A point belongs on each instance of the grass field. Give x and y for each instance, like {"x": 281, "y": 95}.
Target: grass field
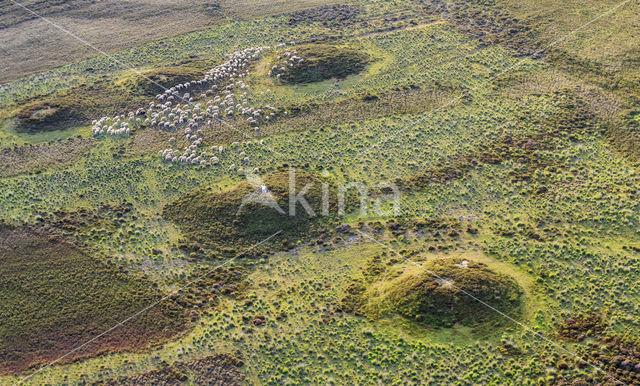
{"x": 517, "y": 173}
{"x": 108, "y": 26}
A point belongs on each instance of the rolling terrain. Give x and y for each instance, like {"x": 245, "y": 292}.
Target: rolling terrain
{"x": 470, "y": 174}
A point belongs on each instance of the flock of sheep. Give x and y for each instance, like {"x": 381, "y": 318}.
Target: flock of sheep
{"x": 192, "y": 107}
{"x": 290, "y": 61}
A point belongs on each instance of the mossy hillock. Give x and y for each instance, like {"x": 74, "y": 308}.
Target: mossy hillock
{"x": 318, "y": 62}
{"x": 223, "y": 223}
{"x": 440, "y": 293}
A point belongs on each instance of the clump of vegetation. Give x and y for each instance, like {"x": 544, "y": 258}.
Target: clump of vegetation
{"x": 579, "y": 327}
{"x": 317, "y": 62}
{"x": 232, "y": 220}
{"x": 56, "y": 297}
{"x": 441, "y": 293}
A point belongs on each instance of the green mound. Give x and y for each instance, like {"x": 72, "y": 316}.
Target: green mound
{"x": 314, "y": 63}
{"x": 223, "y": 222}
{"x": 444, "y": 292}
{"x": 158, "y": 80}
{"x": 82, "y": 103}
{"x": 56, "y": 297}
{"x": 48, "y": 115}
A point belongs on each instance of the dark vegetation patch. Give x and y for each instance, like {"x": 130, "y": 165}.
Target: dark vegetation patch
{"x": 618, "y": 357}
{"x": 31, "y": 158}
{"x": 328, "y": 15}
{"x": 582, "y": 326}
{"x": 484, "y": 20}
{"x": 207, "y": 285}
{"x": 439, "y": 293}
{"x": 572, "y": 119}
{"x": 218, "y": 369}
{"x": 334, "y": 23}
{"x": 439, "y": 233}
{"x": 217, "y": 223}
{"x": 56, "y": 297}
{"x": 436, "y": 227}
{"x": 85, "y": 224}
{"x": 318, "y": 62}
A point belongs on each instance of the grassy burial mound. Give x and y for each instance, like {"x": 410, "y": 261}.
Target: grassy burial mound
{"x": 440, "y": 293}
{"x": 317, "y": 62}
{"x": 56, "y": 297}
{"x": 222, "y": 221}
{"x": 82, "y": 103}
{"x": 156, "y": 81}
{"x": 73, "y": 107}
{"x": 47, "y": 115}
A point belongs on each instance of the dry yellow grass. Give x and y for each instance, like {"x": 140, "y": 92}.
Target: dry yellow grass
{"x": 31, "y": 44}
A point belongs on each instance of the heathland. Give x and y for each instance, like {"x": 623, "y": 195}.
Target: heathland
{"x": 509, "y": 129}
